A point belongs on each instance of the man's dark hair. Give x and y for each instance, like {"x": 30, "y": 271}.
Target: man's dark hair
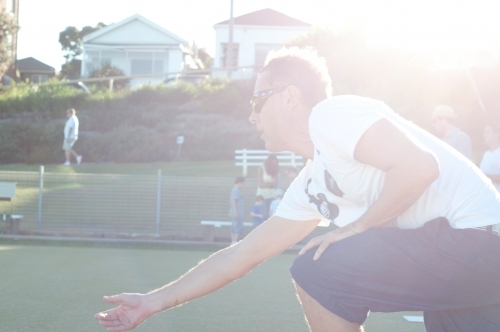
{"x": 303, "y": 68}
{"x": 239, "y": 179}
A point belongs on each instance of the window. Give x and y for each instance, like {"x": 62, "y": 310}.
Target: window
{"x": 261, "y": 51}
{"x": 223, "y": 60}
{"x": 39, "y": 78}
{"x": 95, "y": 59}
{"x": 148, "y": 62}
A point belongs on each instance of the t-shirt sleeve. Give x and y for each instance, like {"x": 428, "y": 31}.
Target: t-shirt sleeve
{"x": 295, "y": 203}
{"x": 234, "y": 195}
{"x": 339, "y": 126}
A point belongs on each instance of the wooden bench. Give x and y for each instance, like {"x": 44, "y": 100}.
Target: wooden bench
{"x": 210, "y": 225}
{"x": 7, "y": 193}
{"x": 247, "y": 158}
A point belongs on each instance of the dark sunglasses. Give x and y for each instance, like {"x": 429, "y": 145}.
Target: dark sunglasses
{"x": 259, "y": 98}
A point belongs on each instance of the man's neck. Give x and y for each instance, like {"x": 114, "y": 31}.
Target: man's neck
{"x": 449, "y": 130}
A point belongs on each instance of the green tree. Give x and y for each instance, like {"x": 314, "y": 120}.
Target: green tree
{"x": 8, "y": 26}
{"x": 71, "y": 43}
{"x": 107, "y": 70}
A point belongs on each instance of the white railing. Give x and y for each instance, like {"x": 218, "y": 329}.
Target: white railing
{"x": 246, "y": 158}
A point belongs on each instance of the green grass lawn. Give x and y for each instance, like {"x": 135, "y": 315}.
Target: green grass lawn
{"x": 59, "y": 288}
{"x": 187, "y": 168}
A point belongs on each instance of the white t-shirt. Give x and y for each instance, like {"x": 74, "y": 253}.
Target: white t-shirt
{"x": 333, "y": 187}
{"x": 72, "y": 122}
{"x": 490, "y": 164}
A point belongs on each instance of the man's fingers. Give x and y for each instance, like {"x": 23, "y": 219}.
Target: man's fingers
{"x": 311, "y": 244}
{"x": 321, "y": 249}
{"x": 110, "y": 323}
{"x": 113, "y": 298}
{"x": 106, "y": 315}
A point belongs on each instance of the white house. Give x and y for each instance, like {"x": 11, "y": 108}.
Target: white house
{"x": 135, "y": 45}
{"x": 254, "y": 35}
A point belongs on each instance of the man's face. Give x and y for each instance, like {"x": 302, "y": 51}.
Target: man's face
{"x": 68, "y": 114}
{"x": 439, "y": 125}
{"x": 490, "y": 136}
{"x": 270, "y": 121}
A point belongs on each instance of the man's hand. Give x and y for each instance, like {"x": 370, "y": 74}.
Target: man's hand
{"x": 132, "y": 311}
{"x": 323, "y": 241}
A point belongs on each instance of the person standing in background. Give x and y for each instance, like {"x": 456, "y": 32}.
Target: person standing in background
{"x": 443, "y": 121}
{"x": 236, "y": 209}
{"x": 268, "y": 182}
{"x": 70, "y": 137}
{"x": 490, "y": 164}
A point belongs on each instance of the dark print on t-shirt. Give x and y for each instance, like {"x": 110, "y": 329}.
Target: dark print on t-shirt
{"x": 327, "y": 209}
{"x": 332, "y": 186}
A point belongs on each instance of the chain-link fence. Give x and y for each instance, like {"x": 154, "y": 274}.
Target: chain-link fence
{"x": 123, "y": 205}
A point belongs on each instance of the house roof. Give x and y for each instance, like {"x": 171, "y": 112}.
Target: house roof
{"x": 267, "y": 17}
{"x": 88, "y": 38}
{"x": 32, "y": 64}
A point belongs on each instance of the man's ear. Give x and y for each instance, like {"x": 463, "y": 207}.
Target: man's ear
{"x": 293, "y": 95}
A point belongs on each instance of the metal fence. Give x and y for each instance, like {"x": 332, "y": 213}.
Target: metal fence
{"x": 125, "y": 205}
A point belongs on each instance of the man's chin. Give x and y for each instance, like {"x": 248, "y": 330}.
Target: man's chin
{"x": 273, "y": 147}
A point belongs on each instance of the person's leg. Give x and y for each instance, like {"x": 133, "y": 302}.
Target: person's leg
{"x": 68, "y": 156}
{"x": 73, "y": 153}
{"x": 320, "y": 319}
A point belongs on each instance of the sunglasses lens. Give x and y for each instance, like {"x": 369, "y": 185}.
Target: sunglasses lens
{"x": 256, "y": 104}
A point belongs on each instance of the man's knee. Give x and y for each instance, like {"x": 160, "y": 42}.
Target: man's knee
{"x": 301, "y": 266}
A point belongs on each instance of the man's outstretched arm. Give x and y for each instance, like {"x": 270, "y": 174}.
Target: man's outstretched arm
{"x": 271, "y": 238}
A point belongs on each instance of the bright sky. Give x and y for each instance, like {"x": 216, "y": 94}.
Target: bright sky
{"x": 415, "y": 24}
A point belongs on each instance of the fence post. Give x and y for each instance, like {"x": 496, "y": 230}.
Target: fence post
{"x": 245, "y": 166}
{"x": 40, "y": 197}
{"x": 158, "y": 203}
{"x": 111, "y": 81}
{"x": 293, "y": 159}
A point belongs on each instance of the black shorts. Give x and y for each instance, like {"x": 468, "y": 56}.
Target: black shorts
{"x": 453, "y": 275}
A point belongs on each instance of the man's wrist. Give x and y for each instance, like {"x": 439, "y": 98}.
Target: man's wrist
{"x": 356, "y": 228}
{"x": 155, "y": 302}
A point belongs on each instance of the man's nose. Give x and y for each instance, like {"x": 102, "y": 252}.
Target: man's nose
{"x": 253, "y": 118}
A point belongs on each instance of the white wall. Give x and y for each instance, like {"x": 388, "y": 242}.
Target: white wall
{"x": 247, "y": 37}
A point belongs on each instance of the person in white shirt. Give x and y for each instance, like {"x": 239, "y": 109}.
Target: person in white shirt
{"x": 70, "y": 137}
{"x": 405, "y": 205}
{"x": 490, "y": 164}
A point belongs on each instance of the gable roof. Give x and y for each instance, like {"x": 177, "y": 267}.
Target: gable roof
{"x": 32, "y": 64}
{"x": 136, "y": 17}
{"x": 268, "y": 17}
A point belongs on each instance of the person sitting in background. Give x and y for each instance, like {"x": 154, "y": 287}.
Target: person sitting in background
{"x": 490, "y": 164}
{"x": 278, "y": 195}
{"x": 443, "y": 121}
{"x": 268, "y": 181}
{"x": 257, "y": 211}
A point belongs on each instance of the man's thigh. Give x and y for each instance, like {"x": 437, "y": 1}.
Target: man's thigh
{"x": 387, "y": 269}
